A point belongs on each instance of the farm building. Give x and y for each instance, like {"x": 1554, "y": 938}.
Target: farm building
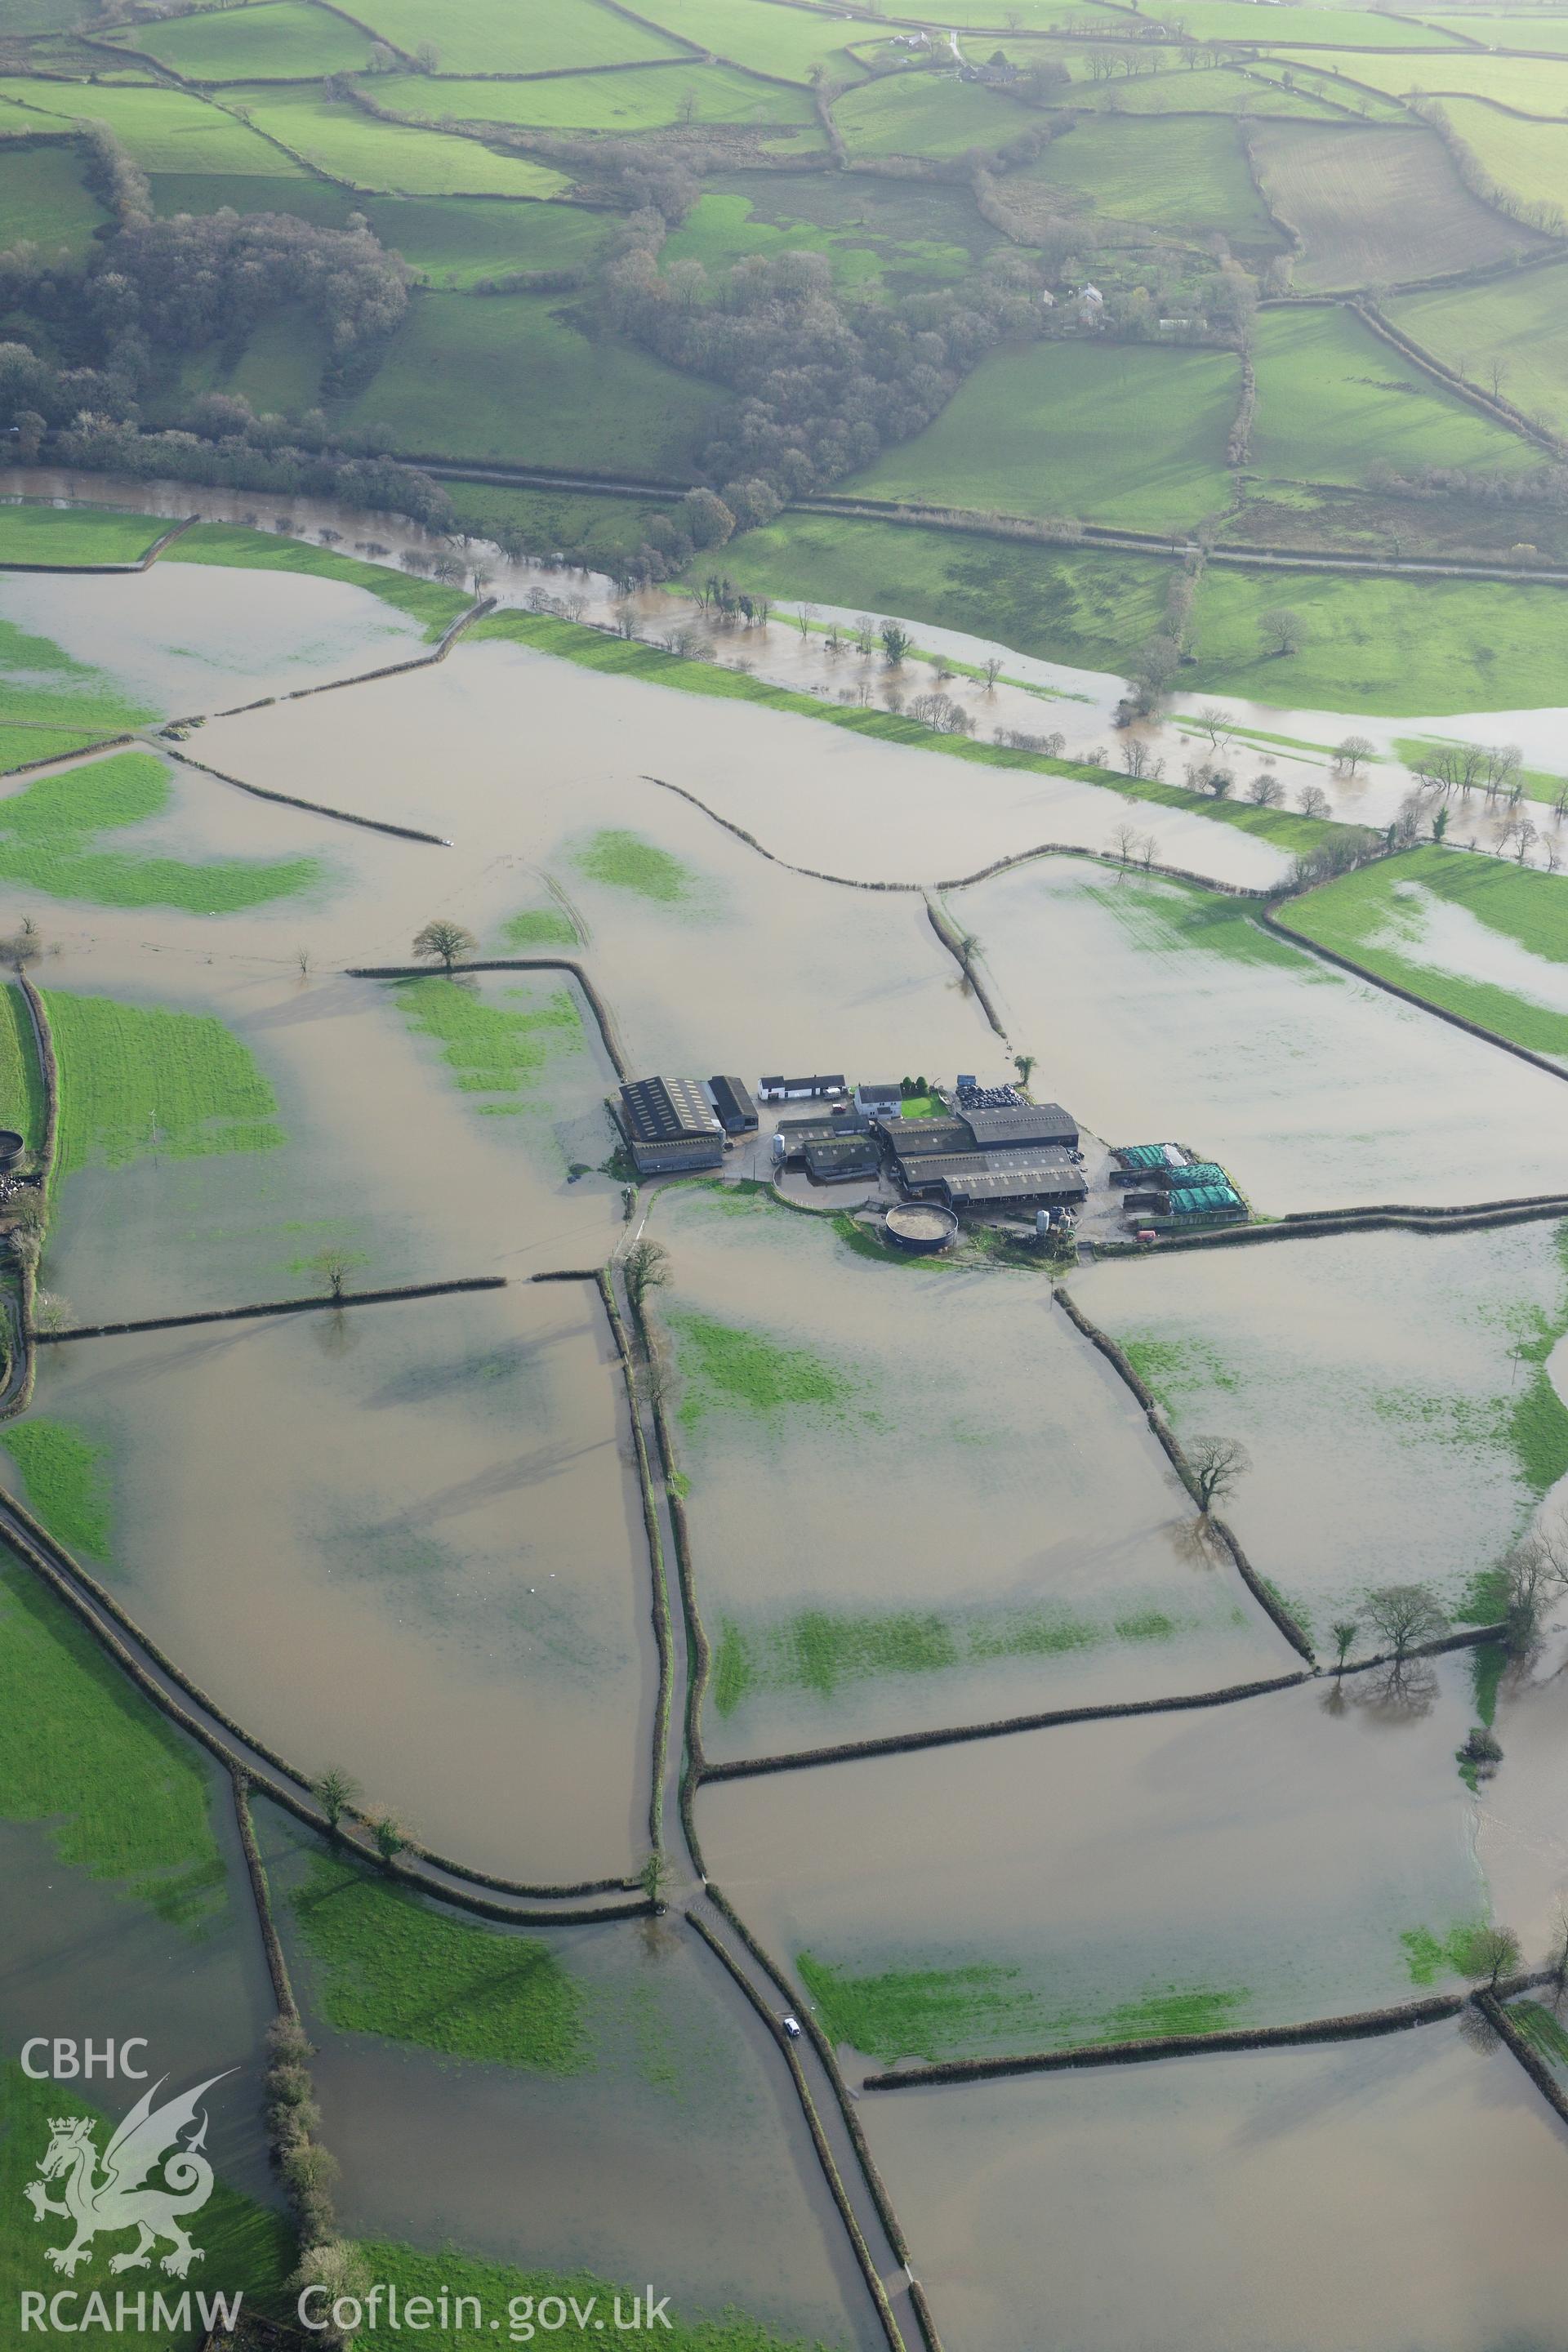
{"x": 732, "y": 1101}
{"x": 995, "y": 1179}
{"x": 926, "y": 1135}
{"x": 817, "y": 1089}
{"x": 669, "y": 1126}
{"x": 1038, "y": 1124}
{"x": 879, "y": 1101}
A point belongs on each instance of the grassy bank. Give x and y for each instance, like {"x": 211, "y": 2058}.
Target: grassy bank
{"x": 66, "y": 1486}
{"x": 45, "y": 534}
{"x": 492, "y": 1048}
{"x": 22, "y": 1104}
{"x": 125, "y": 1796}
{"x": 42, "y": 687}
{"x": 46, "y": 830}
{"x": 615, "y": 657}
{"x": 1364, "y": 916}
{"x": 231, "y": 544}
{"x": 388, "y": 1963}
{"x": 135, "y": 1078}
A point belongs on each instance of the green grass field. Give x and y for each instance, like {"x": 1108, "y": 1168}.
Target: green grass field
{"x": 515, "y": 378}
{"x": 1528, "y": 159}
{"x": 388, "y": 1963}
{"x": 1218, "y": 90}
{"x": 1187, "y": 175}
{"x": 768, "y": 38}
{"x": 922, "y": 114}
{"x": 126, "y": 1797}
{"x": 164, "y": 130}
{"x": 1378, "y": 204}
{"x": 869, "y": 229}
{"x": 1242, "y": 20}
{"x": 72, "y": 535}
{"x": 492, "y": 1048}
{"x": 650, "y": 99}
{"x": 65, "y": 1485}
{"x": 724, "y": 1369}
{"x": 455, "y": 241}
{"x": 134, "y": 1078}
{"x": 278, "y": 371}
{"x": 1520, "y": 321}
{"x": 49, "y": 834}
{"x": 390, "y": 158}
{"x": 1333, "y": 400}
{"x": 1535, "y": 29}
{"x": 1109, "y": 433}
{"x": 246, "y": 2246}
{"x": 230, "y": 543}
{"x": 43, "y": 200}
{"x": 539, "y": 927}
{"x": 1522, "y": 904}
{"x": 40, "y": 686}
{"x": 290, "y": 38}
{"x": 1385, "y": 647}
{"x": 291, "y": 188}
{"x": 26, "y": 746}
{"x": 495, "y": 2287}
{"x": 21, "y": 1081}
{"x": 1534, "y": 85}
{"x": 493, "y": 37}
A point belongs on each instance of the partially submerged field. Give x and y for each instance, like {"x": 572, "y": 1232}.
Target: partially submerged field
{"x": 815, "y": 1380}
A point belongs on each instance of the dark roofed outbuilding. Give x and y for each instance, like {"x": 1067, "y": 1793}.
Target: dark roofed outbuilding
{"x": 732, "y": 1101}
{"x": 670, "y": 1125}
{"x": 1024, "y": 1123}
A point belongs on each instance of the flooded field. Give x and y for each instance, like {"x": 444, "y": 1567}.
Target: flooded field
{"x": 874, "y": 1551}
{"x": 1364, "y": 2197}
{"x": 1158, "y": 1013}
{"x": 1099, "y": 1881}
{"x": 1417, "y": 1365}
{"x": 425, "y": 1561}
{"x": 430, "y": 1129}
{"x": 650, "y": 2133}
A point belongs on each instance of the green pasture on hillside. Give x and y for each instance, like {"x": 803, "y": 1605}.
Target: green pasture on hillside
{"x": 1535, "y": 28}
{"x": 513, "y": 377}
{"x": 909, "y": 230}
{"x": 290, "y": 38}
{"x": 498, "y": 36}
{"x": 126, "y": 1798}
{"x": 1382, "y": 646}
{"x": 164, "y": 130}
{"x": 1377, "y": 205}
{"x": 1521, "y": 903}
{"x": 231, "y": 543}
{"x": 277, "y": 370}
{"x": 1519, "y": 322}
{"x": 1205, "y": 90}
{"x": 1109, "y": 433}
{"x": 1333, "y": 400}
{"x": 393, "y": 158}
{"x": 1528, "y": 159}
{"x": 1533, "y": 85}
{"x": 650, "y": 99}
{"x": 136, "y": 1078}
{"x": 454, "y": 241}
{"x": 292, "y": 189}
{"x": 767, "y": 36}
{"x": 1244, "y": 20}
{"x": 43, "y": 199}
{"x": 72, "y": 535}
{"x": 50, "y": 835}
{"x": 1187, "y": 175}
{"x": 925, "y": 114}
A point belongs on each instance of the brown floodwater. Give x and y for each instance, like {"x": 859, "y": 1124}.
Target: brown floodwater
{"x": 406, "y": 1539}
{"x": 1274, "y": 1851}
{"x": 1359, "y": 2197}
{"x": 1315, "y": 1091}
{"x": 678, "y": 2152}
{"x": 971, "y": 1472}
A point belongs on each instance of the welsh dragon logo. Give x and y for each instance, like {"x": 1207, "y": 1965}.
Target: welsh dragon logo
{"x": 122, "y": 2197}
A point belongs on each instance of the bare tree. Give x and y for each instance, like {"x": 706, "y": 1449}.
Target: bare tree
{"x": 1492, "y": 1953}
{"x": 1282, "y": 629}
{"x": 335, "y": 1792}
{"x": 1218, "y": 725}
{"x": 1266, "y": 791}
{"x": 1313, "y": 800}
{"x": 302, "y": 958}
{"x": 1354, "y": 754}
{"x": 1217, "y": 1465}
{"x": 444, "y": 941}
{"x": 993, "y": 671}
{"x": 1405, "y": 1615}
{"x": 334, "y": 1264}
{"x": 647, "y": 1267}
{"x": 1124, "y": 842}
{"x": 1525, "y": 836}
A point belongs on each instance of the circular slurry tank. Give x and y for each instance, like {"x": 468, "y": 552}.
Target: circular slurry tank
{"x": 11, "y": 1147}
{"x": 920, "y": 1226}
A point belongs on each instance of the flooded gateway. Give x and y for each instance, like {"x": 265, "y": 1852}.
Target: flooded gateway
{"x": 656, "y": 1749}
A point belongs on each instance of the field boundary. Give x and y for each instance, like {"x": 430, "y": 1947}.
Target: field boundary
{"x": 276, "y": 1306}
{"x": 85, "y": 571}
{"x": 313, "y": 808}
